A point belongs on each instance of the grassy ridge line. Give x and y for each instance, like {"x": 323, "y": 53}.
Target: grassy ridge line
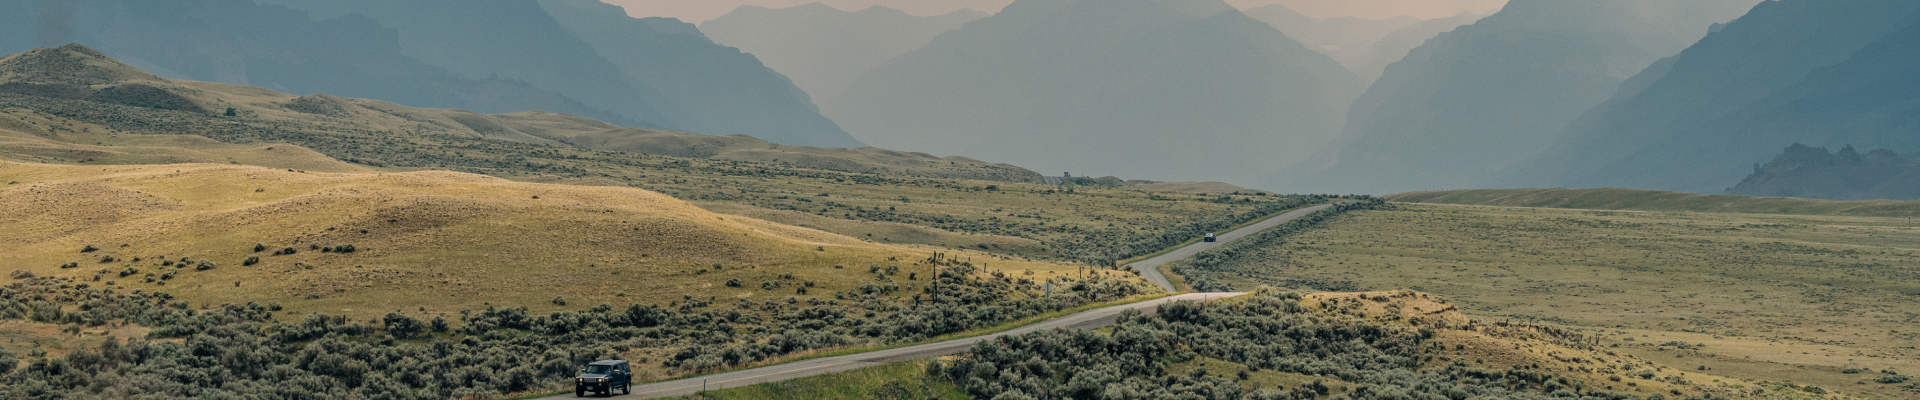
{"x": 1654, "y": 200}
{"x": 830, "y": 352}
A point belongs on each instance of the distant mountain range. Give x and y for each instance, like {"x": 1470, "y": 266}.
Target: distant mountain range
{"x": 1804, "y": 171}
{"x": 1365, "y": 46}
{"x": 822, "y": 48}
{"x": 1154, "y": 89}
{"x": 1825, "y": 73}
{"x": 1485, "y": 96}
{"x": 84, "y": 82}
{"x": 578, "y": 57}
{"x": 595, "y": 53}
{"x": 241, "y": 42}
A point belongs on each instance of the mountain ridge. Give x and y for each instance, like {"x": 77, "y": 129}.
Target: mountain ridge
{"x": 1481, "y": 97}
{"x": 1729, "y": 100}
{"x": 1062, "y": 84}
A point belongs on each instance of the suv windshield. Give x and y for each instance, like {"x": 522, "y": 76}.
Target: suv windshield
{"x": 599, "y": 369}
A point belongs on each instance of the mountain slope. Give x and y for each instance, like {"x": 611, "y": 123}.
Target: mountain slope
{"x": 721, "y": 89}
{"x": 822, "y": 48}
{"x": 658, "y": 71}
{"x": 1486, "y": 95}
{"x": 240, "y": 42}
{"x": 79, "y": 73}
{"x": 1810, "y": 172}
{"x": 1084, "y": 86}
{"x": 1823, "y": 73}
{"x": 1348, "y": 40}
{"x": 512, "y": 39}
{"x": 1395, "y": 46}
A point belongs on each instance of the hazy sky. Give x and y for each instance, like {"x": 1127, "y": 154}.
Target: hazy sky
{"x": 697, "y": 11}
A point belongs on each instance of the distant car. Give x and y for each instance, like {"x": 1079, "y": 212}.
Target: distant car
{"x": 1209, "y": 238}
{"x": 601, "y": 377}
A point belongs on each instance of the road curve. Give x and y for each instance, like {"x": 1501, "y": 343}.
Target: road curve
{"x": 1150, "y": 268}
{"x": 1084, "y": 320}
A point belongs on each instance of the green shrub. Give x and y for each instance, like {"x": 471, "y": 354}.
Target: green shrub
{"x": 250, "y": 261}
{"x": 89, "y": 248}
{"x": 204, "y": 265}
{"x": 259, "y": 247}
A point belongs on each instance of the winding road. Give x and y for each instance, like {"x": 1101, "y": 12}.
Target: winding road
{"x": 774, "y": 373}
{"x": 1150, "y": 268}
{"x": 1090, "y": 319}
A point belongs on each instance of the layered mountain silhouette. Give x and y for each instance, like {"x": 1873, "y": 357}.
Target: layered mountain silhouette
{"x": 241, "y": 42}
{"x": 1824, "y": 73}
{"x": 1395, "y": 46}
{"x": 1805, "y": 171}
{"x": 1364, "y": 46}
{"x": 720, "y": 88}
{"x": 1487, "y": 95}
{"x": 1157, "y": 89}
{"x": 92, "y": 86}
{"x": 660, "y": 73}
{"x": 823, "y": 48}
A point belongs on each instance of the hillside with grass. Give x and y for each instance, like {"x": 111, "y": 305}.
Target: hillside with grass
{"x": 867, "y": 193}
{"x": 368, "y": 243}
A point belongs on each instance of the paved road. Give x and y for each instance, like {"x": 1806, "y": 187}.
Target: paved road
{"x": 1085, "y": 320}
{"x": 1151, "y": 267}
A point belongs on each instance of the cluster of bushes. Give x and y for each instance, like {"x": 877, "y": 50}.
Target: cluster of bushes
{"x": 1270, "y": 330}
{"x": 242, "y": 351}
{"x": 1203, "y": 273}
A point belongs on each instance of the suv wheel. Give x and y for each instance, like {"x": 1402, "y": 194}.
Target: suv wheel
{"x": 579, "y": 391}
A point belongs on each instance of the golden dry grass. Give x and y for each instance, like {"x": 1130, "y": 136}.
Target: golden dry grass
{"x": 442, "y": 241}
{"x": 1774, "y": 297}
{"x": 30, "y": 136}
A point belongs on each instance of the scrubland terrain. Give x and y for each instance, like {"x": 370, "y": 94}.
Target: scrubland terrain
{"x": 435, "y": 241}
{"x": 1281, "y": 345}
{"x": 364, "y": 249}
{"x": 1825, "y": 300}
{"x": 1654, "y": 200}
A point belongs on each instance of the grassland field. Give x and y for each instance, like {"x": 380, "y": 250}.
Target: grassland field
{"x": 1813, "y": 299}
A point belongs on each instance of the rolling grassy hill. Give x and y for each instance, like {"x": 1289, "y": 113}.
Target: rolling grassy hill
{"x": 1654, "y": 200}
{"x": 441, "y": 241}
{"x": 187, "y": 213}
{"x": 866, "y": 193}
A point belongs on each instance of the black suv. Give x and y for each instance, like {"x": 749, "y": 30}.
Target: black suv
{"x": 602, "y": 377}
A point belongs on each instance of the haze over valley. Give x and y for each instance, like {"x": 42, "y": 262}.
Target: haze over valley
{"x": 960, "y": 199}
